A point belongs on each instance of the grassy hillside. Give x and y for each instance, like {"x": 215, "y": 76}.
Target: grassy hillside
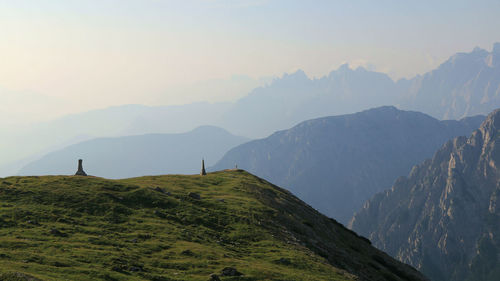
{"x": 175, "y": 228}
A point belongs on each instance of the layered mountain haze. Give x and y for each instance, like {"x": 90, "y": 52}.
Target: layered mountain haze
{"x": 295, "y": 97}
{"x": 249, "y": 140}
{"x": 444, "y": 217}
{"x": 132, "y": 156}
{"x": 336, "y": 163}
{"x": 465, "y": 85}
{"x": 39, "y": 139}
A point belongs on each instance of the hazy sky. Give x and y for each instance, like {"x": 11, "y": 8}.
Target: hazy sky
{"x": 60, "y": 56}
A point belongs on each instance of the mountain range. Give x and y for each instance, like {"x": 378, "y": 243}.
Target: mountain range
{"x": 336, "y": 163}
{"x": 444, "y": 217}
{"x": 466, "y": 84}
{"x": 132, "y": 156}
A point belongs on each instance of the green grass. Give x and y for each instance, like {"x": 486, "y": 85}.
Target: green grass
{"x": 86, "y": 228}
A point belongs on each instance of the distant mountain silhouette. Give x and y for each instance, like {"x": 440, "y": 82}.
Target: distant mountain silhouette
{"x": 336, "y": 163}
{"x": 131, "y": 156}
{"x": 42, "y": 138}
{"x": 295, "y": 98}
{"x": 467, "y": 84}
{"x": 444, "y": 217}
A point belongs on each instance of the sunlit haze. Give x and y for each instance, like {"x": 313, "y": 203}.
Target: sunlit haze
{"x": 65, "y": 56}
{"x": 250, "y": 140}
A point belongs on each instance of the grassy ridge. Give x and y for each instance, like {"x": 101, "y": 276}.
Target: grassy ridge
{"x": 152, "y": 228}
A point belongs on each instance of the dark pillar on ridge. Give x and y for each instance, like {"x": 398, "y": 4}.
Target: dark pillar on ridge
{"x": 203, "y": 172}
{"x": 80, "y": 171}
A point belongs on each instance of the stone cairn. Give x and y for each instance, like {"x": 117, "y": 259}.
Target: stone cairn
{"x": 80, "y": 171}
{"x": 203, "y": 172}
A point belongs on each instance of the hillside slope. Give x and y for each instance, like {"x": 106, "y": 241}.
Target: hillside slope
{"x": 176, "y": 228}
{"x": 444, "y": 218}
{"x": 132, "y": 156}
{"x": 336, "y": 163}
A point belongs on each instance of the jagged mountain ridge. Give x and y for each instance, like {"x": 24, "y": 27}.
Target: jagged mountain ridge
{"x": 177, "y": 228}
{"x": 444, "y": 217}
{"x": 295, "y": 97}
{"x": 467, "y": 84}
{"x": 336, "y": 163}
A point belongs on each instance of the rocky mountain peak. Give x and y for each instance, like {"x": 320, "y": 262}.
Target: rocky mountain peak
{"x": 496, "y": 48}
{"x": 299, "y": 74}
{"x": 491, "y": 124}
{"x": 344, "y": 67}
{"x": 443, "y": 218}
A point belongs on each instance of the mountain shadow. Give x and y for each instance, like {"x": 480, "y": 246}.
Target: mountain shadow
{"x": 336, "y": 163}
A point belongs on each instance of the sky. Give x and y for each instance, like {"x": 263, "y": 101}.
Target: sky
{"x": 64, "y": 56}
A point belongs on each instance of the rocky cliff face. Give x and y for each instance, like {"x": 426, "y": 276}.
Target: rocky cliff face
{"x": 444, "y": 218}
{"x": 336, "y": 163}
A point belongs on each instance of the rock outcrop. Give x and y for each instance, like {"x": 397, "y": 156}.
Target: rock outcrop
{"x": 444, "y": 217}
